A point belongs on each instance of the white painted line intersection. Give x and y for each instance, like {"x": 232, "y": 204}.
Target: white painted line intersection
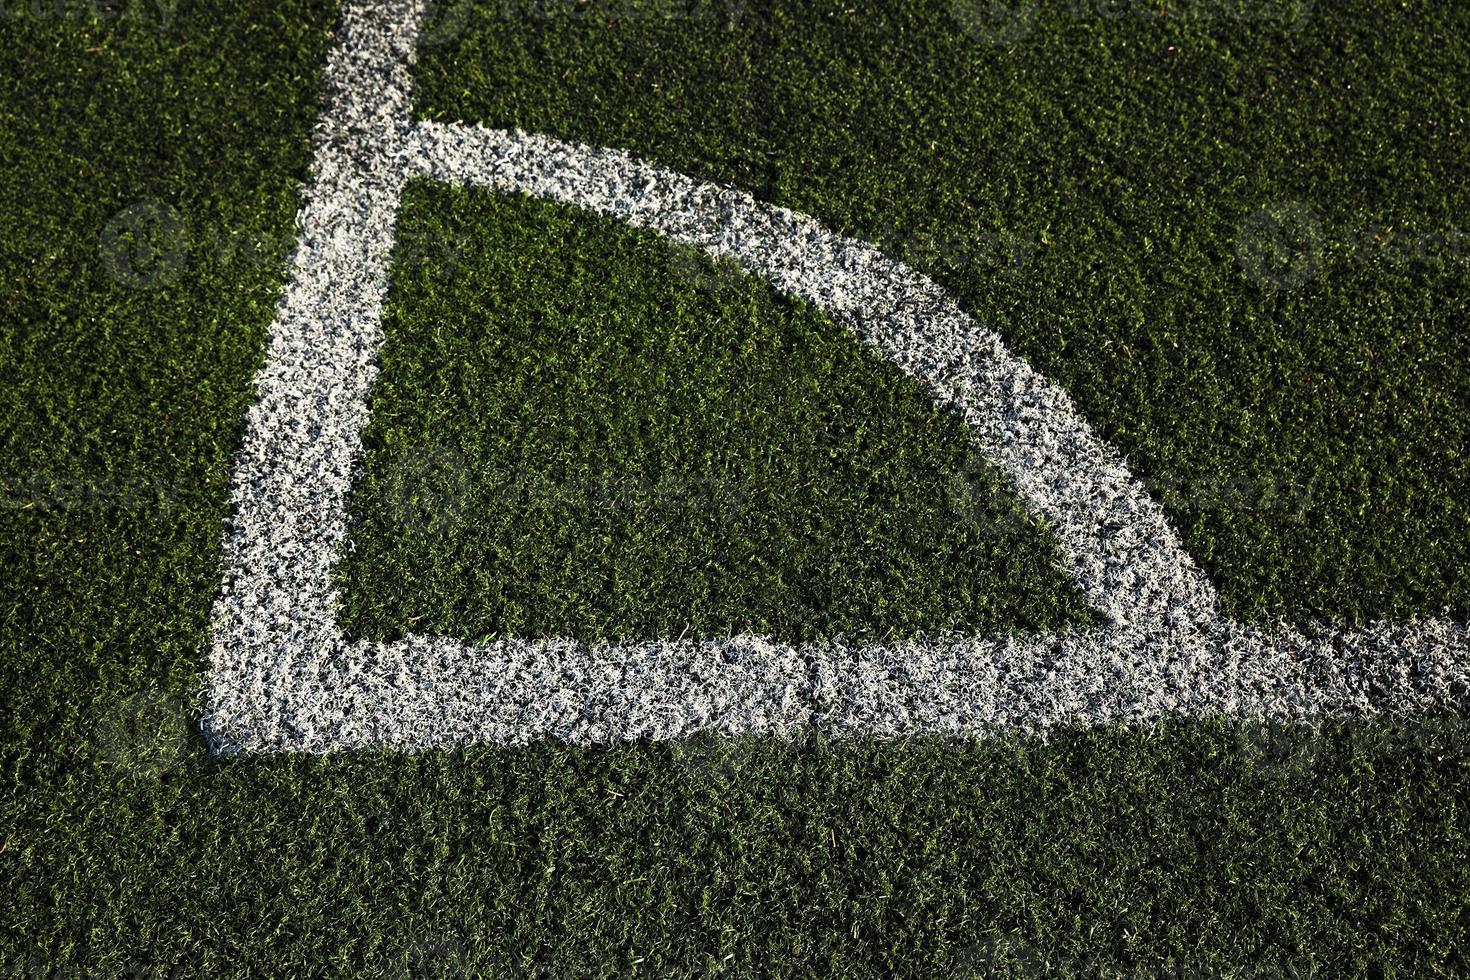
{"x": 284, "y": 678}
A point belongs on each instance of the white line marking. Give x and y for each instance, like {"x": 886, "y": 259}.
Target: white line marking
{"x": 283, "y": 678}
{"x": 1112, "y": 537}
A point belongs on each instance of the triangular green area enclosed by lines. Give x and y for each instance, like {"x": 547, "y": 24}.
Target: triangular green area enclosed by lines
{"x": 581, "y": 429}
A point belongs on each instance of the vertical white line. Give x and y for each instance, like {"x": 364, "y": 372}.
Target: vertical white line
{"x": 275, "y": 620}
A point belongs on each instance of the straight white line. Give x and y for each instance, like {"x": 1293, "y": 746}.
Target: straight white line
{"x": 275, "y": 630}
{"x": 283, "y": 678}
{"x": 428, "y": 692}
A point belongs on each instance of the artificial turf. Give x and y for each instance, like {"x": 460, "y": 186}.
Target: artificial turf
{"x": 581, "y": 430}
{"x": 1186, "y": 848}
{"x": 1090, "y": 182}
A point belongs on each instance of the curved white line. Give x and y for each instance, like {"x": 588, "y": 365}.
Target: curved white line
{"x": 1113, "y": 538}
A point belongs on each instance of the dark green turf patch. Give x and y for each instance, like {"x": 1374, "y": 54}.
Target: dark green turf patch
{"x": 148, "y": 183}
{"x": 1085, "y": 181}
{"x": 1182, "y": 850}
{"x": 583, "y": 430}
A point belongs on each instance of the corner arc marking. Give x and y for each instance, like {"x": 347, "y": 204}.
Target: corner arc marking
{"x": 1114, "y": 539}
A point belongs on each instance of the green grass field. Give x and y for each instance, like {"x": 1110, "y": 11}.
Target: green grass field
{"x": 636, "y": 442}
{"x": 1086, "y": 187}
